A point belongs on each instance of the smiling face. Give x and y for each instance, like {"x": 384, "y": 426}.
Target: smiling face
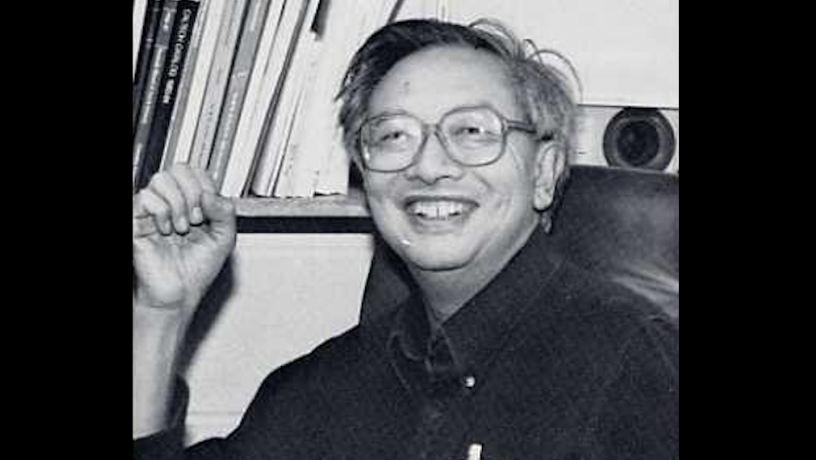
{"x": 439, "y": 215}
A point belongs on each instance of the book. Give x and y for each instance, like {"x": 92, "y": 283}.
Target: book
{"x": 318, "y": 138}
{"x": 217, "y": 81}
{"x": 151, "y": 92}
{"x": 181, "y": 141}
{"x": 139, "y": 12}
{"x": 242, "y": 68}
{"x": 144, "y": 57}
{"x": 256, "y": 101}
{"x": 333, "y": 176}
{"x": 291, "y": 142}
{"x": 168, "y": 88}
{"x": 331, "y": 23}
{"x": 250, "y": 152}
{"x": 290, "y": 76}
{"x": 182, "y": 97}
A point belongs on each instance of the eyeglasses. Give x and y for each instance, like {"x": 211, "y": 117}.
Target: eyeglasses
{"x": 472, "y": 136}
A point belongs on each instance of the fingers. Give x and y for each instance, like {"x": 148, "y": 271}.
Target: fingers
{"x": 220, "y": 212}
{"x": 167, "y": 187}
{"x": 173, "y": 198}
{"x": 191, "y": 183}
{"x": 151, "y": 213}
{"x": 206, "y": 185}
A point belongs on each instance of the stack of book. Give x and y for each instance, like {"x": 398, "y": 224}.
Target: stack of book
{"x": 246, "y": 89}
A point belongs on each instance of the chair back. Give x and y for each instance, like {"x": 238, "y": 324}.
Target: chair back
{"x": 623, "y": 224}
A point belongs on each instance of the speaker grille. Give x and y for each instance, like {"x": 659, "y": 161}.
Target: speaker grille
{"x": 640, "y": 138}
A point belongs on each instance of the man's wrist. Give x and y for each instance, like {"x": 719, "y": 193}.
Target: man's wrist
{"x": 159, "y": 330}
{"x": 182, "y": 302}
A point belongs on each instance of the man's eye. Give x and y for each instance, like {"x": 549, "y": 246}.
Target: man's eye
{"x": 392, "y": 140}
{"x": 472, "y": 130}
{"x": 393, "y": 135}
{"x": 390, "y": 137}
{"x": 475, "y": 133}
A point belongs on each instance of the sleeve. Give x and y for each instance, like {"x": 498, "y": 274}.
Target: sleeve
{"x": 639, "y": 417}
{"x": 167, "y": 444}
{"x": 263, "y": 431}
{"x": 278, "y": 422}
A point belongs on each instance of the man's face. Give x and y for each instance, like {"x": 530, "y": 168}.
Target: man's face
{"x": 438, "y": 214}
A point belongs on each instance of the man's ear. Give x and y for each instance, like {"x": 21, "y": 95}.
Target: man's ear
{"x": 549, "y": 165}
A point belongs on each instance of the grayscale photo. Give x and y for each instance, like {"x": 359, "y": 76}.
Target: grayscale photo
{"x": 406, "y": 229}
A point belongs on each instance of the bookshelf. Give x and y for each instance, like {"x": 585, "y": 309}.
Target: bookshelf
{"x": 332, "y": 214}
{"x": 351, "y": 205}
{"x": 245, "y": 90}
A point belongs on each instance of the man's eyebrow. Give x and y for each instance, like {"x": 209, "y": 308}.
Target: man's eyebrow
{"x": 388, "y": 112}
{"x": 481, "y": 103}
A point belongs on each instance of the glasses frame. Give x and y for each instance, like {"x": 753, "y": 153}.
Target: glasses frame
{"x": 507, "y": 125}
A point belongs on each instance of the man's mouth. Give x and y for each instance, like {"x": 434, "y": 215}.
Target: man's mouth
{"x": 439, "y": 209}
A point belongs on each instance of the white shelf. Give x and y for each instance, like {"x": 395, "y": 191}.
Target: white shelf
{"x": 351, "y": 205}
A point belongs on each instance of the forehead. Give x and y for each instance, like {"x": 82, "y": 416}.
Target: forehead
{"x": 430, "y": 82}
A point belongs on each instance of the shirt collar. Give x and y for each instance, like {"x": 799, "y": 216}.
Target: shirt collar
{"x": 470, "y": 339}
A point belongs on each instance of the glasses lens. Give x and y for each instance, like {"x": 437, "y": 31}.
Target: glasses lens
{"x": 475, "y": 136}
{"x": 390, "y": 142}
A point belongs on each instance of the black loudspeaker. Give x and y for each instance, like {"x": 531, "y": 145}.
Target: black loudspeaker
{"x": 639, "y": 138}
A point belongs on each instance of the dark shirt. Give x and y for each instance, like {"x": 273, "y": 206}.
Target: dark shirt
{"x": 546, "y": 362}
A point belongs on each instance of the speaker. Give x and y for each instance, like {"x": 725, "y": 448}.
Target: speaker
{"x": 629, "y": 137}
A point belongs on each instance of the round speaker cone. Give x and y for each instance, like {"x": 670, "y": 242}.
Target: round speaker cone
{"x": 639, "y": 138}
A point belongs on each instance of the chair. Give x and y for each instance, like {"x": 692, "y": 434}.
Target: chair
{"x": 623, "y": 224}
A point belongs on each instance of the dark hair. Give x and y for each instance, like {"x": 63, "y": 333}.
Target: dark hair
{"x": 544, "y": 92}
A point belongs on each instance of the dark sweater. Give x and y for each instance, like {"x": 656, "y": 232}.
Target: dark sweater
{"x": 547, "y": 362}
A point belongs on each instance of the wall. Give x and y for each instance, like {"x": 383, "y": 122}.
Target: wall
{"x": 285, "y": 294}
{"x": 288, "y": 293}
{"x": 627, "y": 52}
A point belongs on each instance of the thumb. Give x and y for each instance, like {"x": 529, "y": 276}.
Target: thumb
{"x": 220, "y": 211}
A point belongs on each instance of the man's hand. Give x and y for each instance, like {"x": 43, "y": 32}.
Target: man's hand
{"x": 183, "y": 233}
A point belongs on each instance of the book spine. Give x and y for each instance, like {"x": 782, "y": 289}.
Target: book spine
{"x": 236, "y": 91}
{"x": 217, "y": 82}
{"x": 248, "y": 129}
{"x": 277, "y": 122}
{"x": 312, "y": 142}
{"x": 150, "y": 26}
{"x": 160, "y": 47}
{"x": 200, "y": 73}
{"x": 139, "y": 12}
{"x": 301, "y": 158}
{"x": 179, "y": 110}
{"x": 173, "y": 69}
{"x": 293, "y": 153}
{"x": 289, "y": 150}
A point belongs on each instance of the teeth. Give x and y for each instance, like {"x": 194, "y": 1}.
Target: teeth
{"x": 437, "y": 209}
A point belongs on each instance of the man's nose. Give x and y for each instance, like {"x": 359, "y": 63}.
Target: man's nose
{"x": 433, "y": 162}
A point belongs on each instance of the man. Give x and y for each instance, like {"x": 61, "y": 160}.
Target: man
{"x": 504, "y": 350}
